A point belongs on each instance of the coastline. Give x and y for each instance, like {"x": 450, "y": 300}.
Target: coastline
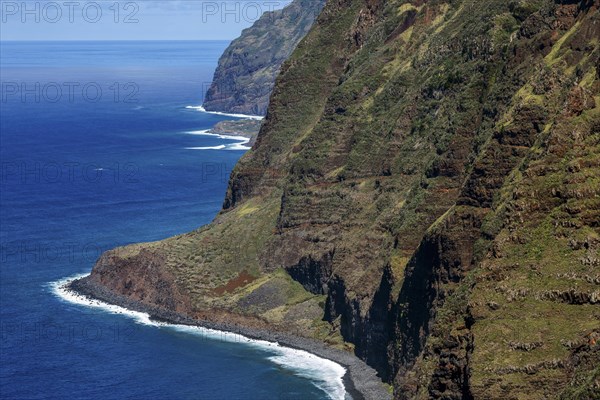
{"x": 246, "y": 116}
{"x": 360, "y": 381}
{"x": 242, "y": 140}
{"x": 243, "y": 131}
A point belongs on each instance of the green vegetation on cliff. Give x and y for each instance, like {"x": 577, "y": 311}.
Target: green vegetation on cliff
{"x": 247, "y": 70}
{"x": 425, "y": 193}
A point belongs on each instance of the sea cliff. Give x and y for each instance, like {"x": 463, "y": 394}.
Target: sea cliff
{"x": 247, "y": 70}
{"x": 423, "y": 193}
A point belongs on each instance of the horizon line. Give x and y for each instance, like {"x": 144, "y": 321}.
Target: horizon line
{"x": 115, "y": 40}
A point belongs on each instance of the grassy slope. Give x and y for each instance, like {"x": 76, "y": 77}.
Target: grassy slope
{"x": 397, "y": 122}
{"x": 531, "y": 297}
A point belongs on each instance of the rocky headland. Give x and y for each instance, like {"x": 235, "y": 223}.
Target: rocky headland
{"x": 247, "y": 70}
{"x": 423, "y": 194}
{"x": 361, "y": 381}
{"x": 247, "y": 128}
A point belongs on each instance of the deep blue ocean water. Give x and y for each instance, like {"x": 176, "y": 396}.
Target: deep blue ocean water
{"x": 93, "y": 155}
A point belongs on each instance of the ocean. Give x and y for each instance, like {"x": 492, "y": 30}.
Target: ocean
{"x": 102, "y": 144}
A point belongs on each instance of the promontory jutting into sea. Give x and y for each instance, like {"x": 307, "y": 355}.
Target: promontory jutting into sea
{"x": 356, "y": 199}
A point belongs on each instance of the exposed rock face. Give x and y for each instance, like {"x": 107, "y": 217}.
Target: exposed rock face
{"x": 141, "y": 277}
{"x": 424, "y": 192}
{"x": 247, "y": 70}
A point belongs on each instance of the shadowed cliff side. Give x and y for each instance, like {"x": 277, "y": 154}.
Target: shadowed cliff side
{"x": 247, "y": 69}
{"x": 424, "y": 193}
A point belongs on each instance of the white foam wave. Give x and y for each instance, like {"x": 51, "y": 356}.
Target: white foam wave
{"x": 204, "y": 132}
{"x": 235, "y": 146}
{"x": 202, "y": 109}
{"x": 61, "y": 290}
{"x": 325, "y": 374}
{"x": 221, "y": 147}
{"x": 238, "y": 146}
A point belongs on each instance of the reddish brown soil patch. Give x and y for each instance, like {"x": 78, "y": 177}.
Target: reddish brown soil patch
{"x": 242, "y": 280}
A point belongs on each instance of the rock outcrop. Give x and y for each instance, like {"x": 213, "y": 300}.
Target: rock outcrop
{"x": 424, "y": 192}
{"x": 247, "y": 70}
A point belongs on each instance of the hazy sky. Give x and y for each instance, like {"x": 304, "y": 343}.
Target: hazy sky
{"x": 129, "y": 20}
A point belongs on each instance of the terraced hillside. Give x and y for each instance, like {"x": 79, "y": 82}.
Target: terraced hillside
{"x": 425, "y": 192}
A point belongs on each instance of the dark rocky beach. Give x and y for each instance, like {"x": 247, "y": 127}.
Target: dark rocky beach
{"x": 360, "y": 381}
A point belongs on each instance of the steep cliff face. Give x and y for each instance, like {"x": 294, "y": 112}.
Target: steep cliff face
{"x": 425, "y": 193}
{"x": 248, "y": 68}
